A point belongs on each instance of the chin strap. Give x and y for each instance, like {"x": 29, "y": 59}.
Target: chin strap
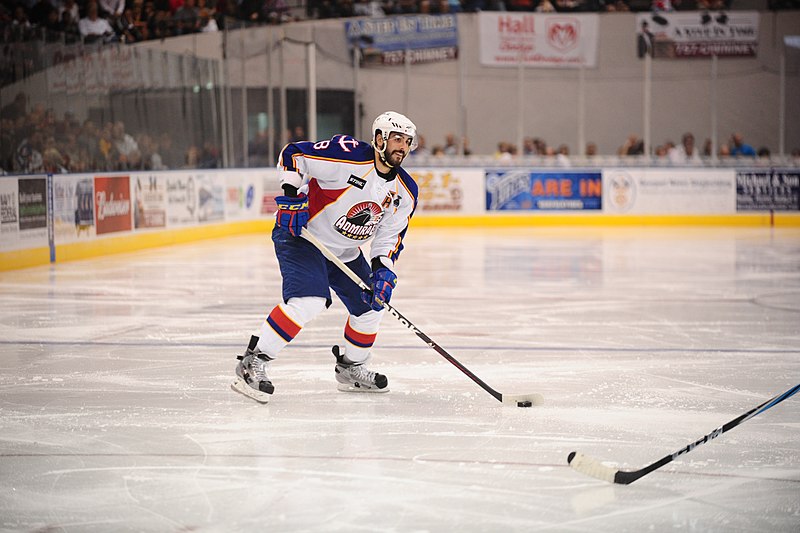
{"x": 381, "y": 153}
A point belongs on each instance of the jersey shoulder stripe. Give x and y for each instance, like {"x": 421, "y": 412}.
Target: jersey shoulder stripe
{"x": 409, "y": 184}
{"x": 339, "y": 149}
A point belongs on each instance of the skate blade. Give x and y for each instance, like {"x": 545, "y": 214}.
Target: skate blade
{"x": 344, "y": 387}
{"x": 242, "y": 387}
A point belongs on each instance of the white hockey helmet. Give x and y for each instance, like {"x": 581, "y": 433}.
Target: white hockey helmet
{"x": 391, "y": 121}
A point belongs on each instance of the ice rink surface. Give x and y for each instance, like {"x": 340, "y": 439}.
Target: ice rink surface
{"x": 116, "y": 412}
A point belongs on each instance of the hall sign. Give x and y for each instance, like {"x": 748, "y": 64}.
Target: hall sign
{"x": 509, "y": 39}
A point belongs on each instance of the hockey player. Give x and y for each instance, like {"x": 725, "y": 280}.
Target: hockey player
{"x": 347, "y": 193}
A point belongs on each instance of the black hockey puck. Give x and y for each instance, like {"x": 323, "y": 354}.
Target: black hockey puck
{"x": 570, "y": 457}
{"x": 526, "y": 403}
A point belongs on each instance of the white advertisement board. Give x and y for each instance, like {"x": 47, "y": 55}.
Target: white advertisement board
{"x": 537, "y": 39}
{"x": 694, "y": 34}
{"x": 669, "y": 191}
{"x": 449, "y": 191}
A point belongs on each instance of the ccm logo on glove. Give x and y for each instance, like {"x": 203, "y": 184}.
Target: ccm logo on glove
{"x": 381, "y": 281}
{"x": 292, "y": 213}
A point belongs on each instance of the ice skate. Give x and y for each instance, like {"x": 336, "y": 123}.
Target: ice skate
{"x": 251, "y": 374}
{"x": 355, "y": 377}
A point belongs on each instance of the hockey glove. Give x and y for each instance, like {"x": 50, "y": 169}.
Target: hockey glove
{"x": 381, "y": 281}
{"x": 292, "y": 213}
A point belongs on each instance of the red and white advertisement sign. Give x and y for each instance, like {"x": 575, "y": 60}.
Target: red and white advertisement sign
{"x": 538, "y": 39}
{"x": 112, "y": 204}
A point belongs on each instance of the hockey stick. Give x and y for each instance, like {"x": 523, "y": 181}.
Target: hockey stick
{"x": 592, "y": 467}
{"x": 520, "y": 400}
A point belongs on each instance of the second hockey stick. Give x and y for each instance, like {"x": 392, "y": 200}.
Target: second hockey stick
{"x": 593, "y": 467}
{"x": 520, "y": 400}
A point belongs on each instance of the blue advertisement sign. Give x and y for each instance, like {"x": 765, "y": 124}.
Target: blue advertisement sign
{"x": 385, "y": 41}
{"x": 768, "y": 190}
{"x": 525, "y": 190}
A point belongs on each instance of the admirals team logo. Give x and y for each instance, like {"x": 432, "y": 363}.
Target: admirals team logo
{"x": 360, "y": 222}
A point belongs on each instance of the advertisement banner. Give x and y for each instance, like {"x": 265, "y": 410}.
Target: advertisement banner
{"x": 674, "y": 192}
{"x": 112, "y": 205}
{"x": 697, "y": 34}
{"x": 526, "y": 190}
{"x": 181, "y": 199}
{"x": 210, "y": 196}
{"x": 23, "y": 213}
{"x": 449, "y": 191}
{"x": 272, "y": 188}
{"x": 538, "y": 40}
{"x": 768, "y": 190}
{"x": 9, "y": 213}
{"x": 150, "y": 199}
{"x": 32, "y": 203}
{"x": 73, "y": 210}
{"x": 385, "y": 41}
{"x": 243, "y": 192}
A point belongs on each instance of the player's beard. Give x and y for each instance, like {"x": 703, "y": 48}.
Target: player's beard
{"x": 395, "y": 158}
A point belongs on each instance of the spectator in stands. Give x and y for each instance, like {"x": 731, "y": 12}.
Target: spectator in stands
{"x": 591, "y": 149}
{"x": 158, "y": 22}
{"x": 450, "y": 145}
{"x": 93, "y": 28}
{"x": 169, "y": 155}
{"x": 187, "y": 18}
{"x": 192, "y": 157}
{"x": 686, "y": 152}
{"x": 21, "y": 28}
{"x": 298, "y": 134}
{"x": 40, "y": 12}
{"x": 529, "y": 146}
{"x": 545, "y": 6}
{"x": 209, "y": 156}
{"x": 207, "y": 22}
{"x": 740, "y": 148}
{"x": 15, "y": 109}
{"x": 7, "y": 142}
{"x": 368, "y": 8}
{"x": 632, "y": 146}
{"x": 123, "y": 141}
{"x": 126, "y": 27}
{"x": 69, "y": 27}
{"x": 562, "y": 156}
{"x": 422, "y": 148}
{"x": 52, "y": 160}
{"x": 763, "y": 152}
{"x": 505, "y": 151}
{"x": 250, "y": 10}
{"x": 275, "y": 12}
{"x": 111, "y": 9}
{"x": 107, "y": 154}
{"x": 88, "y": 140}
{"x": 72, "y": 7}
{"x": 28, "y": 158}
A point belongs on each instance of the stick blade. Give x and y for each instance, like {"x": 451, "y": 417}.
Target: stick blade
{"x": 514, "y": 400}
{"x": 591, "y": 467}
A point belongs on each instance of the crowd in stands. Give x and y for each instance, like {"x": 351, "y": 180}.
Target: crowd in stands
{"x": 669, "y": 152}
{"x": 35, "y": 141}
{"x": 132, "y": 21}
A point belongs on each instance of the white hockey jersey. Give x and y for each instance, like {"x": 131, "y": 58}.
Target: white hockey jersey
{"x": 350, "y": 204}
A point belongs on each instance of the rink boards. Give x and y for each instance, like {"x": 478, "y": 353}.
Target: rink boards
{"x": 50, "y": 218}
